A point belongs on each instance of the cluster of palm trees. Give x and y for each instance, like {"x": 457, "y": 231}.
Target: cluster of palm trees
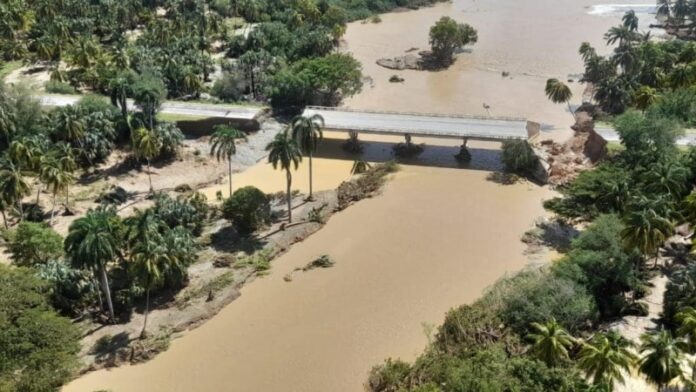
{"x": 678, "y": 14}
{"x": 285, "y": 152}
{"x": 607, "y": 357}
{"x": 151, "y": 251}
{"x": 52, "y": 167}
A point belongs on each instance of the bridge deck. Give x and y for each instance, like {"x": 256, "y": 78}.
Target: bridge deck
{"x": 431, "y": 125}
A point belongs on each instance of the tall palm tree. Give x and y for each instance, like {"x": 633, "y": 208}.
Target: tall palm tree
{"x": 620, "y": 34}
{"x": 66, "y": 160}
{"x": 661, "y": 360}
{"x": 93, "y": 241}
{"x": 284, "y": 153}
{"x": 223, "y": 145}
{"x": 148, "y": 260}
{"x": 687, "y": 330}
{"x": 550, "y": 342}
{"x": 645, "y": 230}
{"x": 606, "y": 358}
{"x": 13, "y": 186}
{"x": 559, "y": 92}
{"x": 56, "y": 178}
{"x": 147, "y": 146}
{"x": 307, "y": 132}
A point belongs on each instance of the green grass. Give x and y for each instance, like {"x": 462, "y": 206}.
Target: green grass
{"x": 9, "y": 67}
{"x": 171, "y": 117}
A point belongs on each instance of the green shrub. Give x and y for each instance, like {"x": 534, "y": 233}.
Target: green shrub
{"x": 389, "y": 376}
{"x": 598, "y": 261}
{"x": 37, "y": 347}
{"x": 537, "y": 296}
{"x": 248, "y": 209}
{"x": 187, "y": 211}
{"x": 56, "y": 87}
{"x": 518, "y": 156}
{"x": 468, "y": 327}
{"x": 230, "y": 87}
{"x": 71, "y": 290}
{"x": 32, "y": 244}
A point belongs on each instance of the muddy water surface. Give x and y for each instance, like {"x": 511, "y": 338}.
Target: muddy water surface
{"x": 533, "y": 40}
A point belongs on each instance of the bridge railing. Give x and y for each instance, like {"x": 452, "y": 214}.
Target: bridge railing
{"x": 439, "y": 115}
{"x": 422, "y": 133}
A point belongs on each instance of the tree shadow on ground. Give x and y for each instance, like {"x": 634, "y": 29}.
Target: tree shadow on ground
{"x": 106, "y": 348}
{"x": 227, "y": 240}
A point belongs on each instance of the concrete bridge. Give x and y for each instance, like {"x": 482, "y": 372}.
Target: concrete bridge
{"x": 426, "y": 125}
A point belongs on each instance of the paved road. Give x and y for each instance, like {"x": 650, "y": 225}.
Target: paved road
{"x": 611, "y": 136}
{"x": 181, "y": 108}
{"x": 388, "y": 123}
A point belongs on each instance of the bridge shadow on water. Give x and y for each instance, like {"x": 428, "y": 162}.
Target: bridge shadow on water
{"x": 485, "y": 156}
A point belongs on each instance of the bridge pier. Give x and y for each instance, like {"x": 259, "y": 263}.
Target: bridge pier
{"x": 463, "y": 156}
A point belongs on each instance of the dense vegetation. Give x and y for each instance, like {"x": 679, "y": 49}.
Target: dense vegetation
{"x": 642, "y": 73}
{"x": 250, "y": 50}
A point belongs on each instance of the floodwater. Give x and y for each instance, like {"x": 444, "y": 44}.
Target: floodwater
{"x": 436, "y": 237}
{"x": 533, "y": 40}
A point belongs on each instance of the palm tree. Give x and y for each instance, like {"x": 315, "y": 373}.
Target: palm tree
{"x": 148, "y": 259}
{"x": 587, "y": 51}
{"x": 13, "y": 186}
{"x": 620, "y": 34}
{"x": 630, "y": 20}
{"x": 606, "y": 358}
{"x": 92, "y": 242}
{"x": 359, "y": 167}
{"x": 687, "y": 330}
{"x": 645, "y": 230}
{"x": 66, "y": 161}
{"x": 644, "y": 97}
{"x": 559, "y": 92}
{"x": 223, "y": 145}
{"x": 550, "y": 342}
{"x": 661, "y": 360}
{"x": 284, "y": 152}
{"x": 306, "y": 130}
{"x": 68, "y": 123}
{"x": 147, "y": 146}
{"x": 54, "y": 175}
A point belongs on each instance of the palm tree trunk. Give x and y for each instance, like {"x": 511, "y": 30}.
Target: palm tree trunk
{"x": 21, "y": 210}
{"x": 143, "y": 333}
{"x": 229, "y": 170}
{"x": 107, "y": 292}
{"x": 38, "y": 194}
{"x": 53, "y": 208}
{"x": 4, "y": 218}
{"x": 289, "y": 194}
{"x": 67, "y": 198}
{"x": 149, "y": 175}
{"x": 310, "y": 177}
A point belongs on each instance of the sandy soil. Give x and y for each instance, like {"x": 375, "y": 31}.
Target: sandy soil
{"x": 532, "y": 40}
